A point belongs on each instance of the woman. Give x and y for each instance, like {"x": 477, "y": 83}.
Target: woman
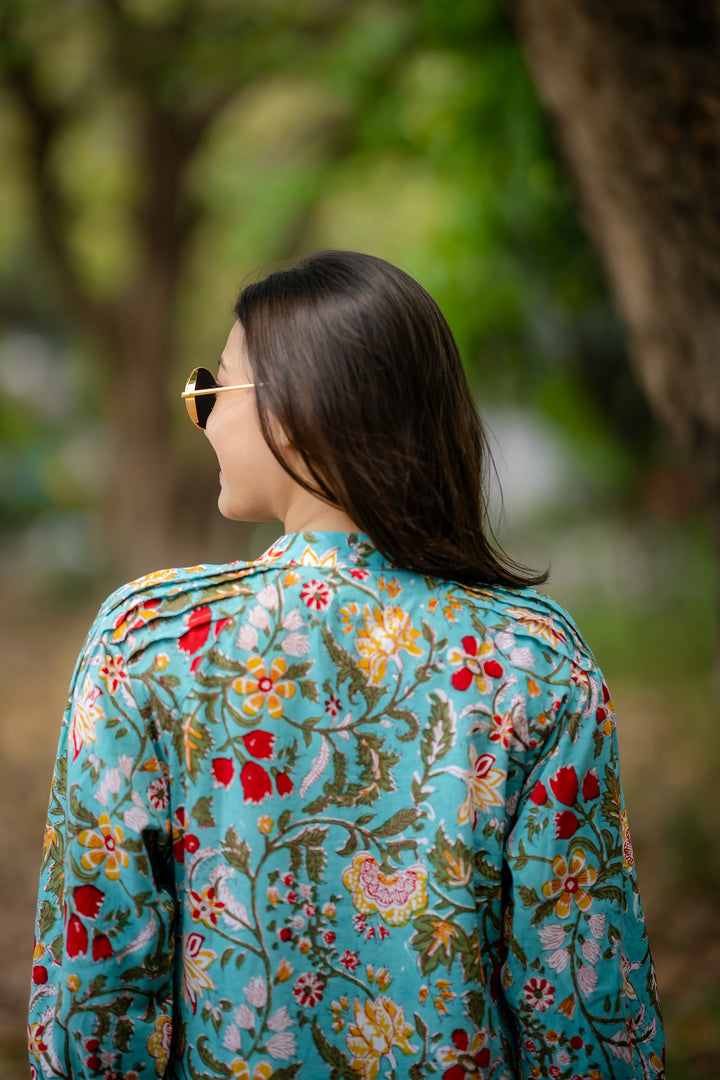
{"x": 352, "y": 808}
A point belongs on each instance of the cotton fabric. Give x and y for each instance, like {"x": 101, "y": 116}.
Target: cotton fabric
{"x": 317, "y": 815}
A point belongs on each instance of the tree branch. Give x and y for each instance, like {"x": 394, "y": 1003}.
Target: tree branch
{"x": 45, "y": 121}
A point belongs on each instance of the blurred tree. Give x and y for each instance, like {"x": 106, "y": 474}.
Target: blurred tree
{"x": 150, "y": 79}
{"x": 164, "y": 147}
{"x": 633, "y": 91}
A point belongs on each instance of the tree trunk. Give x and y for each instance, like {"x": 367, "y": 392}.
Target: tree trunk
{"x": 633, "y": 92}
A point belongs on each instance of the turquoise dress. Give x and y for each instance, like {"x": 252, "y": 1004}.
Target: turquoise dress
{"x": 314, "y": 816}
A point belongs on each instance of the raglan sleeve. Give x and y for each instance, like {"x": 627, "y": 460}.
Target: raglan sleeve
{"x": 578, "y": 978}
{"x": 102, "y": 968}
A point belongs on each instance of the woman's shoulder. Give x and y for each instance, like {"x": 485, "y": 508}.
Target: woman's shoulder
{"x": 173, "y": 593}
{"x": 531, "y": 617}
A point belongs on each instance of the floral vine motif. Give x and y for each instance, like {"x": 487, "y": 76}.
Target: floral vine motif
{"x": 318, "y": 815}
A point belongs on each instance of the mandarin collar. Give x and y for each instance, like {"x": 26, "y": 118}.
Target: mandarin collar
{"x": 327, "y": 549}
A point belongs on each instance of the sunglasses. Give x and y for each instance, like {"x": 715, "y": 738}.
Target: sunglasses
{"x": 199, "y": 394}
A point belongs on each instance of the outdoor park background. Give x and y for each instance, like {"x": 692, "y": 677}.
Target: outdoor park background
{"x": 157, "y": 152}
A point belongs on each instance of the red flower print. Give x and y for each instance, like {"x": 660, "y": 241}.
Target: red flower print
{"x": 88, "y": 900}
{"x": 554, "y": 1072}
{"x": 564, "y": 785}
{"x": 259, "y": 743}
{"x": 539, "y": 794}
{"x": 316, "y": 595}
{"x": 223, "y": 770}
{"x": 473, "y": 666}
{"x": 283, "y": 784}
{"x": 198, "y": 629}
{"x": 600, "y": 714}
{"x": 255, "y": 782}
{"x": 493, "y": 670}
{"x": 590, "y": 785}
{"x": 349, "y": 960}
{"x": 576, "y": 1042}
{"x": 220, "y": 625}
{"x": 101, "y": 947}
{"x": 308, "y": 990}
{"x": 539, "y": 993}
{"x": 39, "y": 975}
{"x": 159, "y": 793}
{"x": 191, "y": 842}
{"x": 462, "y": 679}
{"x": 332, "y": 705}
{"x": 566, "y": 825}
{"x": 285, "y": 934}
{"x": 360, "y": 575}
{"x": 328, "y": 937}
{"x": 76, "y": 939}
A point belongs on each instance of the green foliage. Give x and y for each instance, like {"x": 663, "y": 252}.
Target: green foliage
{"x": 411, "y": 130}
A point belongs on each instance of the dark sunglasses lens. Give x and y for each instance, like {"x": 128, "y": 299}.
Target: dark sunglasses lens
{"x": 205, "y": 402}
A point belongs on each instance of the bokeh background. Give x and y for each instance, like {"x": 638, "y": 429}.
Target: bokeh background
{"x": 156, "y": 154}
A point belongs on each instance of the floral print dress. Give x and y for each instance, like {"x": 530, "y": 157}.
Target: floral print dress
{"x": 314, "y": 816}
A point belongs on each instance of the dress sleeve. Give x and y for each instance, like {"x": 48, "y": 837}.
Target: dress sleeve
{"x": 102, "y": 976}
{"x": 578, "y": 977}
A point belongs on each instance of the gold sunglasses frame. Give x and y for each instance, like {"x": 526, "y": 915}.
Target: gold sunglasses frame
{"x": 189, "y": 395}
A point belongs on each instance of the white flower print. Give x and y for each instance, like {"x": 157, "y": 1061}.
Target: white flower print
{"x": 281, "y": 1045}
{"x": 268, "y": 597}
{"x": 259, "y": 617}
{"x": 256, "y": 992}
{"x": 247, "y": 638}
{"x": 244, "y": 1018}
{"x": 295, "y": 644}
{"x": 587, "y": 978}
{"x": 591, "y": 951}
{"x": 280, "y": 1020}
{"x": 233, "y": 1038}
{"x": 292, "y": 620}
{"x": 523, "y": 657}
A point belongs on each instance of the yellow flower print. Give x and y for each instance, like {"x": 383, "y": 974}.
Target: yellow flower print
{"x": 37, "y": 1040}
{"x": 85, "y": 716}
{"x": 104, "y": 846}
{"x": 196, "y": 961}
{"x": 310, "y": 557}
{"x": 568, "y": 881}
{"x": 241, "y": 1070}
{"x": 567, "y": 1007}
{"x": 261, "y": 687}
{"x": 627, "y": 848}
{"x": 158, "y": 1043}
{"x": 452, "y": 604}
{"x": 379, "y": 1027}
{"x": 284, "y": 971}
{"x": 265, "y": 824}
{"x": 541, "y": 626}
{"x": 483, "y": 781}
{"x": 395, "y": 896}
{"x": 443, "y": 935}
{"x": 385, "y": 632}
{"x": 48, "y": 839}
{"x": 347, "y": 616}
{"x": 114, "y": 673}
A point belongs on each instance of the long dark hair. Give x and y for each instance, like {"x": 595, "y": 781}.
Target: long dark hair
{"x": 359, "y": 366}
